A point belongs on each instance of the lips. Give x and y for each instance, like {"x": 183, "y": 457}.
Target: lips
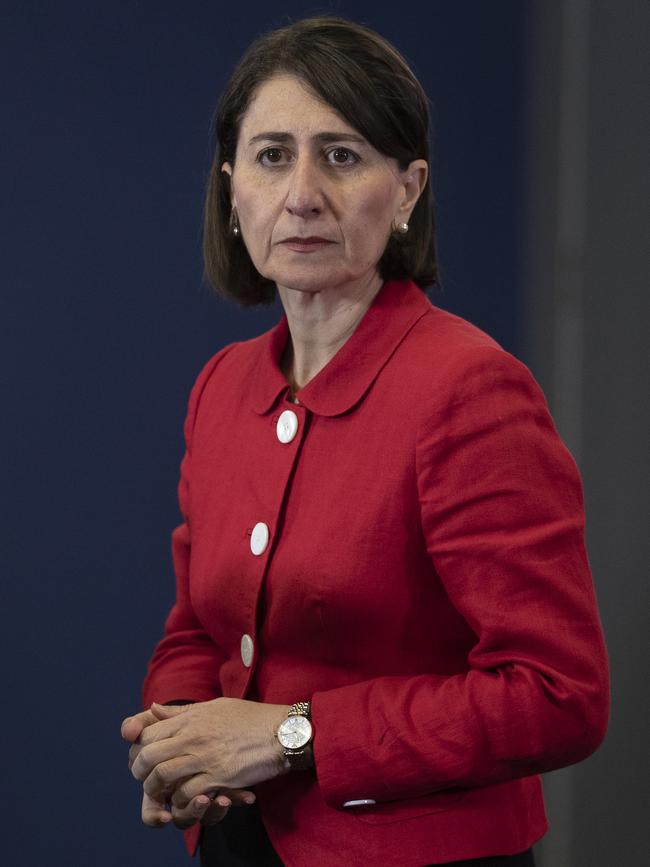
{"x": 304, "y": 245}
{"x": 312, "y": 239}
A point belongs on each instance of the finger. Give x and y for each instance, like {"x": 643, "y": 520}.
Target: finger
{"x": 134, "y": 752}
{"x": 240, "y": 796}
{"x": 200, "y": 784}
{"x": 215, "y": 813}
{"x": 209, "y": 811}
{"x": 145, "y": 759}
{"x": 133, "y": 726}
{"x": 154, "y": 814}
{"x": 201, "y": 809}
{"x": 159, "y": 730}
{"x": 155, "y": 737}
{"x": 167, "y": 776}
{"x": 220, "y": 805}
{"x": 223, "y": 796}
{"x": 167, "y": 711}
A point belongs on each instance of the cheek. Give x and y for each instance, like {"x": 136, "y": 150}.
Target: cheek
{"x": 250, "y": 196}
{"x": 256, "y": 221}
{"x": 247, "y": 211}
{"x": 372, "y": 216}
{"x": 376, "y": 201}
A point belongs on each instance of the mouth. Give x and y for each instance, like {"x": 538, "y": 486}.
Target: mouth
{"x": 304, "y": 245}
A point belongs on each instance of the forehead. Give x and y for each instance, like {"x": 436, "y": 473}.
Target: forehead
{"x": 285, "y": 103}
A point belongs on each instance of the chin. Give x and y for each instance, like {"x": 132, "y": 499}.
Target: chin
{"x": 303, "y": 280}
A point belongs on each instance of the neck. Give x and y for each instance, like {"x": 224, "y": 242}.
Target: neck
{"x": 320, "y": 323}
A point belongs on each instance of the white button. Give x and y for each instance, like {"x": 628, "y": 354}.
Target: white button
{"x": 247, "y": 649}
{"x": 287, "y": 426}
{"x": 364, "y": 802}
{"x": 259, "y": 539}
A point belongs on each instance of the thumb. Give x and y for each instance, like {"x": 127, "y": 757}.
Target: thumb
{"x": 133, "y": 726}
{"x": 167, "y": 711}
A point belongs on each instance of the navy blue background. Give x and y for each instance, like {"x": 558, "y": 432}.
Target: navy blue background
{"x": 105, "y": 323}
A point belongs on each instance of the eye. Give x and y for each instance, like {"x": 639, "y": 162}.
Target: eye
{"x": 342, "y": 157}
{"x": 270, "y": 156}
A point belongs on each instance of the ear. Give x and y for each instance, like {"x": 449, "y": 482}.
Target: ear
{"x": 414, "y": 179}
{"x": 227, "y": 168}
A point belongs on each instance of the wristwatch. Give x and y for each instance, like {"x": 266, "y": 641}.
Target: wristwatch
{"x": 296, "y": 735}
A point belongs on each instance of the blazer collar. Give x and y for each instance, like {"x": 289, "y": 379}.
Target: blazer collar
{"x": 346, "y": 378}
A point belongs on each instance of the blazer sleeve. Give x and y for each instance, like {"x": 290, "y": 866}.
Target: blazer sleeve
{"x": 186, "y": 662}
{"x": 502, "y": 515}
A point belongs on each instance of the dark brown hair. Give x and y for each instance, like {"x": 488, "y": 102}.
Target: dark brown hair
{"x": 368, "y": 82}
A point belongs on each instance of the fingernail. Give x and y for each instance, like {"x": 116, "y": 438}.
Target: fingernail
{"x": 223, "y": 801}
{"x": 249, "y": 799}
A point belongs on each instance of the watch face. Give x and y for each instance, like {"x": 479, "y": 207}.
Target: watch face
{"x": 295, "y": 732}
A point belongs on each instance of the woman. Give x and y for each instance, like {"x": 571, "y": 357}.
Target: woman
{"x": 385, "y": 621}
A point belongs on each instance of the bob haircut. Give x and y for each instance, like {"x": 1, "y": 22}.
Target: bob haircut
{"x": 367, "y": 81}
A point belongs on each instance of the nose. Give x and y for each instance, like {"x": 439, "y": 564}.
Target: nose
{"x": 305, "y": 195}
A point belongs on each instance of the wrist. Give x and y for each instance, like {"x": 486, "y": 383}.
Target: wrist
{"x": 295, "y": 737}
{"x": 279, "y": 759}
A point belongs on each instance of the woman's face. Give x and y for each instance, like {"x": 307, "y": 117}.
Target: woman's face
{"x": 315, "y": 201}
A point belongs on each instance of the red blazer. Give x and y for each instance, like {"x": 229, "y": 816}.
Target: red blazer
{"x": 424, "y": 583}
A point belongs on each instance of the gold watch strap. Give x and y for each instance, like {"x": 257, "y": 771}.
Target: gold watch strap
{"x": 301, "y": 708}
{"x": 303, "y": 759}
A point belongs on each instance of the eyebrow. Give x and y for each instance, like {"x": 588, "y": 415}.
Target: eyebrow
{"x": 321, "y": 137}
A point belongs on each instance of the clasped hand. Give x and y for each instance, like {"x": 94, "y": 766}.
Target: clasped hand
{"x": 199, "y": 759}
